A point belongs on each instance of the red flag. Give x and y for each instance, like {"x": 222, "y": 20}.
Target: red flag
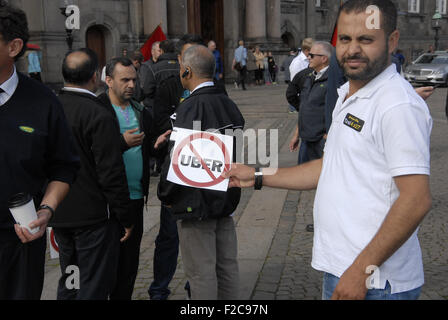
{"x": 157, "y": 35}
{"x": 334, "y": 37}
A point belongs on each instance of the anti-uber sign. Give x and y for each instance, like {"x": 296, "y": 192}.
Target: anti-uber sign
{"x": 199, "y": 159}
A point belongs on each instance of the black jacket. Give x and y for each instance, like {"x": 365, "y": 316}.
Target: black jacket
{"x": 165, "y": 67}
{"x": 295, "y": 87}
{"x": 145, "y": 119}
{"x": 36, "y": 146}
{"x": 215, "y": 110}
{"x": 101, "y": 189}
{"x": 169, "y": 96}
{"x": 312, "y": 108}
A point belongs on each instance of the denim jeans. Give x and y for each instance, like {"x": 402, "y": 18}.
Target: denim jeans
{"x": 310, "y": 151}
{"x": 165, "y": 256}
{"x": 330, "y": 282}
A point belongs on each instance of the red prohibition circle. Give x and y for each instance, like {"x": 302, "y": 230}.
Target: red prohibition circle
{"x": 187, "y": 142}
{"x": 53, "y": 241}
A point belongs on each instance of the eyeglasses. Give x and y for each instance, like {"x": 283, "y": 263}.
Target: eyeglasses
{"x": 312, "y": 55}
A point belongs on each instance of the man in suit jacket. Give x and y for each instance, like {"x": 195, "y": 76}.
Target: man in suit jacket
{"x": 89, "y": 222}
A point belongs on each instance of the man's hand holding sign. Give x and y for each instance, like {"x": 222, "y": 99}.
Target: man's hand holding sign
{"x": 200, "y": 158}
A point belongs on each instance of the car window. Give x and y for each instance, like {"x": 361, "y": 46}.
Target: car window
{"x": 432, "y": 59}
{"x": 427, "y": 58}
{"x": 440, "y": 60}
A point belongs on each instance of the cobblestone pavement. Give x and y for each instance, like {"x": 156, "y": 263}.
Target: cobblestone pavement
{"x": 285, "y": 271}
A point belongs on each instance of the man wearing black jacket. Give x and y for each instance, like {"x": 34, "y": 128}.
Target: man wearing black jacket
{"x": 207, "y": 232}
{"x": 165, "y": 67}
{"x": 311, "y": 127}
{"x": 169, "y": 94}
{"x": 295, "y": 87}
{"x": 89, "y": 222}
{"x": 135, "y": 119}
{"x": 37, "y": 157}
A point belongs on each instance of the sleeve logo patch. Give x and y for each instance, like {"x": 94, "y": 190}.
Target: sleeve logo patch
{"x": 354, "y": 122}
{"x": 26, "y": 129}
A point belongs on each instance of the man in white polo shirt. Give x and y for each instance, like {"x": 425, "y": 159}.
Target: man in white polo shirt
{"x": 373, "y": 182}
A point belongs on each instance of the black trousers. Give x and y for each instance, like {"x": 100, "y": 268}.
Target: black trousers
{"x": 94, "y": 250}
{"x": 242, "y": 77}
{"x": 129, "y": 256}
{"x": 21, "y": 267}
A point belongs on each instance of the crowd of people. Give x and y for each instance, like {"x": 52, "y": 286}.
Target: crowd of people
{"x": 254, "y": 67}
{"x": 86, "y": 160}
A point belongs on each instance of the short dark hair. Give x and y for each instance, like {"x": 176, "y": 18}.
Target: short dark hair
{"x": 82, "y": 73}
{"x": 167, "y": 46}
{"x": 110, "y": 67}
{"x": 188, "y": 39}
{"x": 13, "y": 25}
{"x": 387, "y": 8}
{"x": 137, "y": 55}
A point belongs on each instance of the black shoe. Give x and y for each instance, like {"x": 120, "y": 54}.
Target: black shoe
{"x": 187, "y": 288}
{"x": 310, "y": 228}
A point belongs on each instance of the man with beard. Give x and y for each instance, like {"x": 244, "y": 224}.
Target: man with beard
{"x": 373, "y": 182}
{"x": 134, "y": 122}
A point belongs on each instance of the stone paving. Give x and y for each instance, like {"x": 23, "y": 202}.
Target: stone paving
{"x": 286, "y": 272}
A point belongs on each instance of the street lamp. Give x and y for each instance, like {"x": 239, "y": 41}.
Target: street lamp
{"x": 63, "y": 4}
{"x": 436, "y": 18}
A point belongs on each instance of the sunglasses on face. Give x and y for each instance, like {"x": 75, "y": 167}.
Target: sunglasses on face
{"x": 312, "y": 55}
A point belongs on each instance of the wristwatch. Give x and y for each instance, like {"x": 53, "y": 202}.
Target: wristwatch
{"x": 44, "y": 206}
{"x": 258, "y": 179}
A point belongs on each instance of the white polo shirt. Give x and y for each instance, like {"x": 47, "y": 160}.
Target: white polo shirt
{"x": 381, "y": 132}
{"x": 299, "y": 63}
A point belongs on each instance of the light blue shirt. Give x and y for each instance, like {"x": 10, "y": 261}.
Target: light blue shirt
{"x": 33, "y": 62}
{"x": 133, "y": 158}
{"x": 9, "y": 87}
{"x": 241, "y": 55}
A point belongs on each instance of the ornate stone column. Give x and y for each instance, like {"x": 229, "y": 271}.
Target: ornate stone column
{"x": 255, "y": 30}
{"x": 154, "y": 12}
{"x": 273, "y": 19}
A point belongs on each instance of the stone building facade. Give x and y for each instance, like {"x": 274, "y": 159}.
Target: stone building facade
{"x": 109, "y": 26}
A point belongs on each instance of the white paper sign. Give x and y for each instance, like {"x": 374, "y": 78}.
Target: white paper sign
{"x": 199, "y": 159}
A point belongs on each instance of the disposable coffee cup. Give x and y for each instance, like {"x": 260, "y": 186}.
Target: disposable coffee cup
{"x": 23, "y": 210}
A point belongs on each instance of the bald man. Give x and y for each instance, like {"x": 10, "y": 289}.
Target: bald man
{"x": 88, "y": 224}
{"x": 207, "y": 233}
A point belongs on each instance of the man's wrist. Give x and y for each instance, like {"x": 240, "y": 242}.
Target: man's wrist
{"x": 46, "y": 207}
{"x": 258, "y": 179}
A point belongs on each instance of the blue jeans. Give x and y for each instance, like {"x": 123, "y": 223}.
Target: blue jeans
{"x": 330, "y": 282}
{"x": 310, "y": 151}
{"x": 165, "y": 256}
{"x": 291, "y": 108}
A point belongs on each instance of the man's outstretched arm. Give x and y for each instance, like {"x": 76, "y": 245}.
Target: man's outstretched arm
{"x": 303, "y": 177}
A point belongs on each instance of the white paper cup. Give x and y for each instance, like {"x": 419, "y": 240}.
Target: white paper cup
{"x": 23, "y": 210}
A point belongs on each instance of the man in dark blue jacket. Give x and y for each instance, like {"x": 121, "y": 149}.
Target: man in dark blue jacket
{"x": 311, "y": 128}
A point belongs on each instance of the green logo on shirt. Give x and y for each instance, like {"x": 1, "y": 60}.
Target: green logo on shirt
{"x": 26, "y": 129}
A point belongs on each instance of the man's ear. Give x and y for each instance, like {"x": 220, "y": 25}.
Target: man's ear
{"x": 109, "y": 81}
{"x": 95, "y": 77}
{"x": 15, "y": 47}
{"x": 394, "y": 38}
